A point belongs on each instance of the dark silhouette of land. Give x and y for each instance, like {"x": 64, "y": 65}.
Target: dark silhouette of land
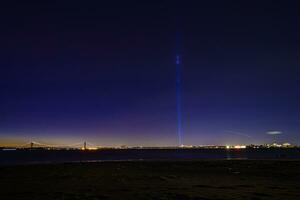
{"x": 219, "y": 179}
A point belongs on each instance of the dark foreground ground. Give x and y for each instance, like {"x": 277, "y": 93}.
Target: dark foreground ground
{"x": 153, "y": 180}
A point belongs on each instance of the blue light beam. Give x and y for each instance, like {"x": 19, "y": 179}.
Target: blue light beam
{"x": 178, "y": 99}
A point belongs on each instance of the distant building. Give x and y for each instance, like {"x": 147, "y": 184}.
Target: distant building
{"x": 286, "y": 145}
{"x": 276, "y": 145}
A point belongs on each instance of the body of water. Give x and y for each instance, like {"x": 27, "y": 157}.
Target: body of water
{"x": 64, "y": 156}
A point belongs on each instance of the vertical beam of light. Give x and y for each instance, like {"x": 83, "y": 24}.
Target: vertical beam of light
{"x": 178, "y": 83}
{"x": 178, "y": 63}
{"x": 178, "y": 99}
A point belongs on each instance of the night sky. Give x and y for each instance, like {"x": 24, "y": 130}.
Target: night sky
{"x": 105, "y": 72}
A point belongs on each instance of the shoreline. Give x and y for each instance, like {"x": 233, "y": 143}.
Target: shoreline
{"x": 151, "y": 160}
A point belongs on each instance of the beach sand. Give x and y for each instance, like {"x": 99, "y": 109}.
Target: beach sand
{"x": 222, "y": 179}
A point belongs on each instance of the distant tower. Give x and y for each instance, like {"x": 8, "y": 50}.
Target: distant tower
{"x": 31, "y": 145}
{"x": 84, "y": 146}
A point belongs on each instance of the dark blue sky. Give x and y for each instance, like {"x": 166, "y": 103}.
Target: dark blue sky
{"x": 72, "y": 71}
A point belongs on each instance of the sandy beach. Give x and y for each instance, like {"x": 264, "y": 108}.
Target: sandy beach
{"x": 231, "y": 179}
